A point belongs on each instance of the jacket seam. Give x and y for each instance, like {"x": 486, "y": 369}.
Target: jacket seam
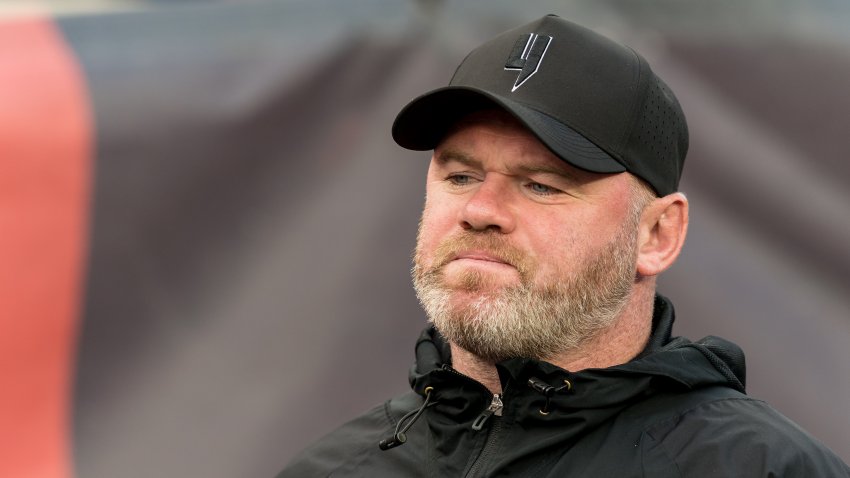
{"x": 717, "y": 400}
{"x": 387, "y": 413}
{"x": 666, "y": 454}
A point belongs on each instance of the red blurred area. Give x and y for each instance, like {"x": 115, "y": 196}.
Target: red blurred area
{"x": 45, "y": 151}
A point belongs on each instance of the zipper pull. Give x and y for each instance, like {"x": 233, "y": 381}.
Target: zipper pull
{"x": 495, "y": 408}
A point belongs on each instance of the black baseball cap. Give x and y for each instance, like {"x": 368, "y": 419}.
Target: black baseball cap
{"x": 593, "y": 102}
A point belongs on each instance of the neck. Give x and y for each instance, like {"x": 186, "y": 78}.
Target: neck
{"x": 475, "y": 367}
{"x": 622, "y": 341}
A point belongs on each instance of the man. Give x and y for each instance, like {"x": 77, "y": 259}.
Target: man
{"x": 551, "y": 207}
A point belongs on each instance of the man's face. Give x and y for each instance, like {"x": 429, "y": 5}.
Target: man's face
{"x": 520, "y": 254}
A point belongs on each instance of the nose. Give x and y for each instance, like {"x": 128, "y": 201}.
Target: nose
{"x": 488, "y": 208}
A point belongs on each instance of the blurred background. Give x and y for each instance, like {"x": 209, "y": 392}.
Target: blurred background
{"x": 206, "y": 229}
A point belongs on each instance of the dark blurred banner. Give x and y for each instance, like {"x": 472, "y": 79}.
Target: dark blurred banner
{"x": 206, "y": 229}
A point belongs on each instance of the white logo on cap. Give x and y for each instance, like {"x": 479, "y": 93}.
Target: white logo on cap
{"x": 526, "y": 56}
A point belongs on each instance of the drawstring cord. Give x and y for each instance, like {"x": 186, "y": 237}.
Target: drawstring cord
{"x": 547, "y": 391}
{"x": 399, "y": 436}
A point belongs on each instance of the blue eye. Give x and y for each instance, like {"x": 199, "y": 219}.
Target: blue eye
{"x": 459, "y": 179}
{"x": 541, "y": 188}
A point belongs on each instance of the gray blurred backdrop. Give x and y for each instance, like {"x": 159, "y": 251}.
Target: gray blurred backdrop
{"x": 248, "y": 286}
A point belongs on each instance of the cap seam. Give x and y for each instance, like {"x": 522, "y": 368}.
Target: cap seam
{"x": 637, "y": 105}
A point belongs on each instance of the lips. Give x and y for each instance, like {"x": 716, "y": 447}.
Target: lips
{"x": 485, "y": 249}
{"x": 479, "y": 256}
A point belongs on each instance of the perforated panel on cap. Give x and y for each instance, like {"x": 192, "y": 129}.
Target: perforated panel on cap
{"x": 660, "y": 138}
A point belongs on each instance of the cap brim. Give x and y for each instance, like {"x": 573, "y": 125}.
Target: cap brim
{"x": 423, "y": 123}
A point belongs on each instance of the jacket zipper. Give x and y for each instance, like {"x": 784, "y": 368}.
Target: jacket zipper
{"x": 495, "y": 408}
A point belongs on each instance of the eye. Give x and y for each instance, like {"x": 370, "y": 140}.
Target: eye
{"x": 459, "y": 179}
{"x": 542, "y": 189}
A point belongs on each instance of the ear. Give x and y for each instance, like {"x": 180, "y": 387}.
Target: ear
{"x": 663, "y": 227}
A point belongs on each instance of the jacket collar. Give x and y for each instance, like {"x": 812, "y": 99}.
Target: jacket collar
{"x": 667, "y": 363}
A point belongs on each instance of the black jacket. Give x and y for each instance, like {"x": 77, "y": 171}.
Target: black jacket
{"x": 676, "y": 410}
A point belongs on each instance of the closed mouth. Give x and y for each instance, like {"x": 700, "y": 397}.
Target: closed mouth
{"x": 480, "y": 256}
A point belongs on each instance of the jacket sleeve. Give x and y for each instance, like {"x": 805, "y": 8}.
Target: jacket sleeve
{"x": 341, "y": 448}
{"x": 738, "y": 437}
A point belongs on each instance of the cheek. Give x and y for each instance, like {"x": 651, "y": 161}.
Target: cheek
{"x": 436, "y": 225}
{"x": 554, "y": 251}
{"x": 560, "y": 243}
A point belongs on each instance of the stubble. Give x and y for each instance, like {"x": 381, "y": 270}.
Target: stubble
{"x": 529, "y": 319}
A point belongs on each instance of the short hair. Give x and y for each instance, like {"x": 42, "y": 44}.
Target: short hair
{"x": 642, "y": 195}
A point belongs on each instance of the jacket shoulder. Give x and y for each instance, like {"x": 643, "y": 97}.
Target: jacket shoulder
{"x": 736, "y": 435}
{"x": 344, "y": 450}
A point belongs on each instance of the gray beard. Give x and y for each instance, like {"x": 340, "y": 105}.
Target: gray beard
{"x": 528, "y": 320}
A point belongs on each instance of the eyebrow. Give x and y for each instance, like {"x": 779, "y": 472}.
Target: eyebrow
{"x": 563, "y": 173}
{"x": 458, "y": 156}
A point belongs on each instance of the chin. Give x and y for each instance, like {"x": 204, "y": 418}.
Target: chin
{"x": 475, "y": 302}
